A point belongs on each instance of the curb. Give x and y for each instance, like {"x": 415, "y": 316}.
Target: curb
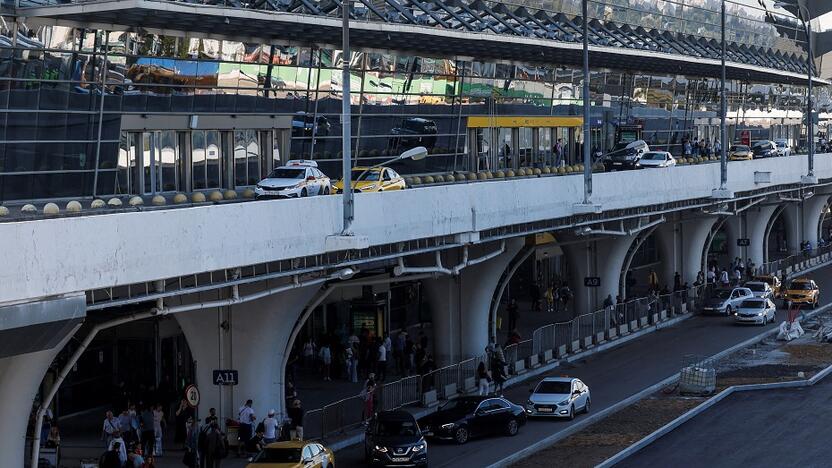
{"x": 558, "y": 436}
{"x": 667, "y": 428}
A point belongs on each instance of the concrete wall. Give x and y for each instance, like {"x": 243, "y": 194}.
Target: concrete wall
{"x": 107, "y": 250}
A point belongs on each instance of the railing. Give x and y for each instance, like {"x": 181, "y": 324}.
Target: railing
{"x": 793, "y": 261}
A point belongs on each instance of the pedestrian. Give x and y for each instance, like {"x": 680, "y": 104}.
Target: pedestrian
{"x": 309, "y": 353}
{"x": 369, "y": 395}
{"x": 271, "y": 427}
{"x": 565, "y": 295}
{"x": 216, "y": 447}
{"x": 125, "y": 425}
{"x": 255, "y": 444}
{"x": 111, "y": 458}
{"x": 513, "y": 314}
{"x": 212, "y": 415}
{"x": 381, "y": 369}
{"x": 296, "y": 414}
{"x": 53, "y": 439}
{"x": 737, "y": 277}
{"x": 158, "y": 423}
{"x": 723, "y": 278}
{"x": 534, "y": 294}
{"x": 148, "y": 434}
{"x": 326, "y": 360}
{"x": 117, "y": 441}
{"x": 653, "y": 280}
{"x": 483, "y": 379}
{"x": 134, "y": 457}
{"x": 398, "y": 352}
{"x": 498, "y": 369}
{"x": 549, "y": 295}
{"x": 110, "y": 426}
{"x": 245, "y": 431}
{"x": 677, "y": 281}
{"x": 191, "y": 456}
{"x": 289, "y": 394}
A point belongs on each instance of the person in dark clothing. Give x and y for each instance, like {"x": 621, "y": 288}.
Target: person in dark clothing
{"x": 256, "y": 443}
{"x": 183, "y": 412}
{"x": 212, "y": 416}
{"x": 534, "y": 293}
{"x": 110, "y": 458}
{"x": 215, "y": 447}
{"x": 296, "y": 413}
{"x": 148, "y": 432}
{"x": 513, "y": 314}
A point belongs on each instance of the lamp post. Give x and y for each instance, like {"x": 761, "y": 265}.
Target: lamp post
{"x": 587, "y": 123}
{"x": 346, "y": 120}
{"x": 723, "y": 113}
{"x": 415, "y": 154}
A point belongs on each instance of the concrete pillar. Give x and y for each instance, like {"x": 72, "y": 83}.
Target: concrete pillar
{"x": 461, "y": 304}
{"x": 666, "y": 240}
{"x": 733, "y": 228}
{"x": 812, "y": 211}
{"x": 20, "y": 378}
{"x": 694, "y": 234}
{"x": 758, "y": 219}
{"x": 603, "y": 258}
{"x": 792, "y": 215}
{"x": 253, "y": 343}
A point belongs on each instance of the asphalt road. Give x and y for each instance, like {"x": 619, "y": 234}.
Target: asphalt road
{"x": 773, "y": 428}
{"x": 612, "y": 376}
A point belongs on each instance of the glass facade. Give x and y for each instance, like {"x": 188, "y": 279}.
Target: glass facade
{"x": 65, "y": 95}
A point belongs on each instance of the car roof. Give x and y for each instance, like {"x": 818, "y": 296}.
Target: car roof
{"x": 756, "y": 282}
{"x": 368, "y": 169}
{"x": 289, "y": 444}
{"x": 398, "y": 415}
{"x": 558, "y": 379}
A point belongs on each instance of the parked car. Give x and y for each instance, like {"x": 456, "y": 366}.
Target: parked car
{"x": 725, "y": 301}
{"x": 377, "y": 179}
{"x": 740, "y": 153}
{"x": 293, "y": 454}
{"x": 656, "y": 159}
{"x": 625, "y": 155}
{"x": 756, "y": 311}
{"x": 413, "y": 132}
{"x": 764, "y": 149}
{"x": 304, "y": 125}
{"x": 473, "y": 416}
{"x": 297, "y": 179}
{"x": 783, "y": 148}
{"x": 393, "y": 438}
{"x": 773, "y": 281}
{"x": 760, "y": 289}
{"x": 558, "y": 397}
{"x": 802, "y": 291}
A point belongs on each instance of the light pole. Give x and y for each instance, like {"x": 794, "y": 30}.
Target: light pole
{"x": 587, "y": 123}
{"x": 346, "y": 119}
{"x": 415, "y": 154}
{"x": 723, "y": 191}
{"x": 804, "y": 17}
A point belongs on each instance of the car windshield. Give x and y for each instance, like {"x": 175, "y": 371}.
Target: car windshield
{"x": 286, "y": 173}
{"x": 278, "y": 455}
{"x": 750, "y": 304}
{"x": 653, "y": 156}
{"x": 756, "y": 287}
{"x": 766, "y": 279}
{"x": 724, "y": 294}
{"x": 781, "y": 144}
{"x": 397, "y": 428}
{"x": 801, "y": 285}
{"x": 553, "y": 387}
{"x": 370, "y": 176}
{"x": 461, "y": 404}
{"x": 739, "y": 148}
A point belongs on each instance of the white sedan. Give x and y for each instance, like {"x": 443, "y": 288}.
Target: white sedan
{"x": 656, "y": 159}
{"x": 558, "y": 397}
{"x": 297, "y": 179}
{"x": 760, "y": 289}
{"x": 756, "y": 311}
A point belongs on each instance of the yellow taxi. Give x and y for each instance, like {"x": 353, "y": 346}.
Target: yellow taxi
{"x": 294, "y": 454}
{"x": 802, "y": 291}
{"x": 740, "y": 153}
{"x": 772, "y": 281}
{"x": 373, "y": 179}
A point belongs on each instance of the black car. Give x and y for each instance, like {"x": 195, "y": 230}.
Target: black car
{"x": 393, "y": 438}
{"x": 473, "y": 416}
{"x": 413, "y": 132}
{"x": 624, "y": 156}
{"x": 764, "y": 149}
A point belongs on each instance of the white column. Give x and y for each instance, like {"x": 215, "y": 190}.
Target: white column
{"x": 757, "y": 222}
{"x": 254, "y": 345}
{"x": 603, "y": 258}
{"x": 812, "y": 211}
{"x": 20, "y": 378}
{"x": 666, "y": 240}
{"x": 792, "y": 221}
{"x": 694, "y": 235}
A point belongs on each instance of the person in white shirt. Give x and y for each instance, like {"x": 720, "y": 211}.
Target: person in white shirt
{"x": 245, "y": 415}
{"x": 382, "y": 362}
{"x": 109, "y": 428}
{"x": 122, "y": 451}
{"x": 326, "y": 360}
{"x": 270, "y": 428}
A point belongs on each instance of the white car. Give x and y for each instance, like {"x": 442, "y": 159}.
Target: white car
{"x": 297, "y": 179}
{"x": 558, "y": 397}
{"x": 656, "y": 159}
{"x": 725, "y": 301}
{"x": 760, "y": 289}
{"x": 756, "y": 311}
{"x": 783, "y": 148}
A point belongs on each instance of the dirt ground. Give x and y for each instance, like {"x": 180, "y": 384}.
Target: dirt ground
{"x": 768, "y": 361}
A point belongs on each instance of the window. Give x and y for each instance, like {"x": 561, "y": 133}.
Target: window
{"x": 206, "y": 159}
{"x": 246, "y": 157}
{"x": 307, "y": 452}
{"x": 387, "y": 175}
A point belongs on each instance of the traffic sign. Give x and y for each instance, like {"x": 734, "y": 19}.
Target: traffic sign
{"x": 226, "y": 377}
{"x": 192, "y": 395}
{"x": 743, "y": 242}
{"x": 592, "y": 282}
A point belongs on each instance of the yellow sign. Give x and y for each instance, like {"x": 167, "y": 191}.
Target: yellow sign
{"x": 483, "y": 121}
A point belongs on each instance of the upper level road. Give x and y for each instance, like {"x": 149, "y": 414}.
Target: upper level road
{"x": 110, "y": 250}
{"x": 612, "y": 375}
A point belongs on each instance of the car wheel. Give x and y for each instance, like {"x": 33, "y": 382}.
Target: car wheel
{"x": 572, "y": 412}
{"x": 461, "y": 435}
{"x": 303, "y": 193}
{"x": 512, "y": 427}
{"x": 326, "y": 190}
{"x": 587, "y": 405}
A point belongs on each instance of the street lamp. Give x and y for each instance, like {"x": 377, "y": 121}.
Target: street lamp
{"x": 414, "y": 154}
{"x": 346, "y": 118}
{"x": 804, "y": 16}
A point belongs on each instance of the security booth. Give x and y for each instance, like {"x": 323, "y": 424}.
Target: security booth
{"x": 511, "y": 142}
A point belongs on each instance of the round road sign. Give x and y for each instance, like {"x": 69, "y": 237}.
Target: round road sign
{"x": 192, "y": 396}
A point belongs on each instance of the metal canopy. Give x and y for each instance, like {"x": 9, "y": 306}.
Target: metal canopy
{"x": 446, "y": 28}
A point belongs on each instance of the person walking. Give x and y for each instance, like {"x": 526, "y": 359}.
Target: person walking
{"x": 246, "y": 431}
{"x": 549, "y": 296}
{"x": 183, "y": 412}
{"x": 309, "y": 354}
{"x": 653, "y": 280}
{"x": 296, "y": 414}
{"x": 483, "y": 379}
{"x": 191, "y": 457}
{"x": 513, "y": 314}
{"x": 158, "y": 424}
{"x": 216, "y": 447}
{"x": 122, "y": 449}
{"x": 381, "y": 370}
{"x": 110, "y": 426}
{"x": 270, "y": 428}
{"x": 724, "y": 279}
{"x": 369, "y": 397}
{"x": 148, "y": 434}
{"x": 498, "y": 363}
{"x": 111, "y": 458}
{"x": 326, "y": 360}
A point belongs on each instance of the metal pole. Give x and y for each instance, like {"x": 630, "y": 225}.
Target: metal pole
{"x": 810, "y": 121}
{"x": 586, "y": 146}
{"x": 723, "y": 114}
{"x": 346, "y": 120}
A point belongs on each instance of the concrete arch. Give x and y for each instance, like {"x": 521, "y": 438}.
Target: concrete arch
{"x": 635, "y": 245}
{"x": 813, "y": 210}
{"x": 712, "y": 231}
{"x": 524, "y": 253}
{"x": 767, "y": 226}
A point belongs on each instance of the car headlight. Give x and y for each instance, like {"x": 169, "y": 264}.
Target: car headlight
{"x": 564, "y": 402}
{"x": 420, "y": 447}
{"x": 381, "y": 449}
{"x": 448, "y": 426}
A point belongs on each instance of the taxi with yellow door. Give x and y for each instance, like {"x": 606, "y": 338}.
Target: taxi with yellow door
{"x": 373, "y": 179}
{"x": 293, "y": 454}
{"x": 802, "y": 291}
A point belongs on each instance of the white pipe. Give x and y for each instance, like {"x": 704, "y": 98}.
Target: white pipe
{"x": 401, "y": 269}
{"x": 646, "y": 226}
